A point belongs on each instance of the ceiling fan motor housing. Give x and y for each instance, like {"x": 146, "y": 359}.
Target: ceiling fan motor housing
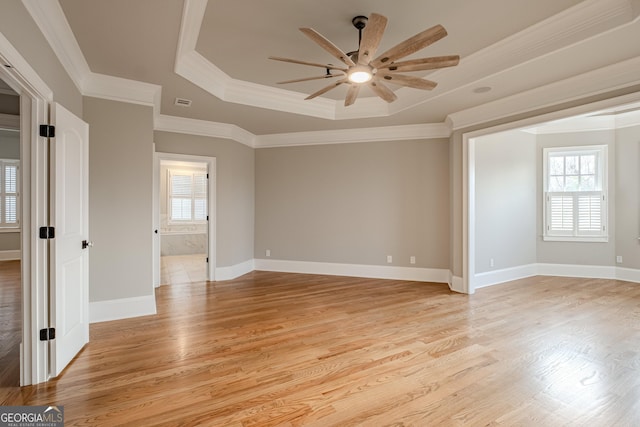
{"x": 362, "y": 67}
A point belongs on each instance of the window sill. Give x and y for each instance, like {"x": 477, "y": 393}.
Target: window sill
{"x": 593, "y": 239}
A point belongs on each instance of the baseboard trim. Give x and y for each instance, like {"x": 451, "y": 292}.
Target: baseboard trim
{"x": 456, "y": 284}
{"x": 628, "y": 274}
{"x": 234, "y": 271}
{"x": 491, "y": 278}
{"x": 355, "y": 270}
{"x": 124, "y": 308}
{"x": 572, "y": 270}
{"x": 10, "y": 255}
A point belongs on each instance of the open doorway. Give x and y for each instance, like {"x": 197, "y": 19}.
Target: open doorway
{"x": 10, "y": 236}
{"x": 184, "y": 218}
{"x": 516, "y": 176}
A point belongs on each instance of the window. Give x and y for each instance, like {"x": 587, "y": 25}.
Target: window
{"x": 9, "y": 194}
{"x": 575, "y": 197}
{"x": 187, "y": 196}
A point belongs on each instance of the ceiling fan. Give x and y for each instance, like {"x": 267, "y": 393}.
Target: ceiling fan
{"x": 363, "y": 67}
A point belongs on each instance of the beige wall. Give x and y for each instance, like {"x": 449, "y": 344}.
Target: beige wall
{"x": 578, "y": 253}
{"x": 627, "y": 188}
{"x": 235, "y": 194}
{"x": 355, "y": 203}
{"x": 506, "y": 201}
{"x": 120, "y": 203}
{"x": 624, "y": 201}
{"x": 456, "y": 162}
{"x": 9, "y": 149}
{"x": 9, "y": 104}
{"x": 9, "y": 144}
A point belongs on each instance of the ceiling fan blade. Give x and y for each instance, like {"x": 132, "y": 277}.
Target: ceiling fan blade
{"x": 326, "y": 89}
{"x": 371, "y": 37}
{"x": 423, "y": 63}
{"x": 352, "y": 94}
{"x": 382, "y": 91}
{"x": 306, "y": 79}
{"x": 408, "y": 81}
{"x": 313, "y": 64}
{"x": 411, "y": 45}
{"x": 327, "y": 45}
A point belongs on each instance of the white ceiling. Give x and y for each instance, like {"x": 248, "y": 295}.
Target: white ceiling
{"x": 215, "y": 53}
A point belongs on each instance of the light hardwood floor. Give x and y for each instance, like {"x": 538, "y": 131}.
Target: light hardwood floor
{"x": 289, "y": 350}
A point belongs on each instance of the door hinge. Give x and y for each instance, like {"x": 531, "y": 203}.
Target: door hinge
{"x": 47, "y": 232}
{"x": 207, "y": 259}
{"x": 207, "y": 176}
{"x": 47, "y": 131}
{"x": 47, "y": 334}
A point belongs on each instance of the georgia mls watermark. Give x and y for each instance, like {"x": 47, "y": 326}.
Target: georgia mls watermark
{"x": 31, "y": 416}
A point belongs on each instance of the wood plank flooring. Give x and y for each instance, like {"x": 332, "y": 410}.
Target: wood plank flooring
{"x": 272, "y": 349}
{"x": 10, "y": 325}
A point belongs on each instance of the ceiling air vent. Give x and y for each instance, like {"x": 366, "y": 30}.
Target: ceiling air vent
{"x": 181, "y": 102}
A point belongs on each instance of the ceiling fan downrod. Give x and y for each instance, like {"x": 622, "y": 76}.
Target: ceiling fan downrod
{"x": 359, "y": 22}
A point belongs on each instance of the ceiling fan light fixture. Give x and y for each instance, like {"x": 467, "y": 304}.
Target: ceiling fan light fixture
{"x": 364, "y": 66}
{"x": 360, "y": 74}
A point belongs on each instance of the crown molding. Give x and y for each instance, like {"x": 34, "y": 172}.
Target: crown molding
{"x": 602, "y": 80}
{"x": 574, "y": 125}
{"x": 626, "y": 120}
{"x": 123, "y": 90}
{"x": 188, "y": 126}
{"x": 50, "y": 18}
{"x": 192, "y": 15}
{"x": 573, "y": 25}
{"x": 348, "y": 136}
{"x": 605, "y": 121}
{"x": 53, "y": 23}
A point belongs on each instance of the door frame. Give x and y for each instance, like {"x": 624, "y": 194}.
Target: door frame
{"x": 469, "y": 141}
{"x": 211, "y": 201}
{"x": 35, "y": 97}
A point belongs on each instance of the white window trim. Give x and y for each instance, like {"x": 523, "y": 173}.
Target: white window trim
{"x": 170, "y": 172}
{"x": 4, "y": 227}
{"x": 603, "y": 167}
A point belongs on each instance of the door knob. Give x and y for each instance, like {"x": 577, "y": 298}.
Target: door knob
{"x": 86, "y": 244}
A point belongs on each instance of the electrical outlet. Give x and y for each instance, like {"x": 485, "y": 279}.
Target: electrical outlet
{"x": 389, "y": 259}
{"x": 491, "y": 263}
{"x": 412, "y": 260}
{"x": 268, "y": 252}
{"x": 619, "y": 259}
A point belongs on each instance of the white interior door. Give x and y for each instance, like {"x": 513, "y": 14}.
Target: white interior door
{"x": 69, "y": 265}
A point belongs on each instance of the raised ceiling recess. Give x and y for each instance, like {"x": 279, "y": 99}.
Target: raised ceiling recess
{"x": 361, "y": 67}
